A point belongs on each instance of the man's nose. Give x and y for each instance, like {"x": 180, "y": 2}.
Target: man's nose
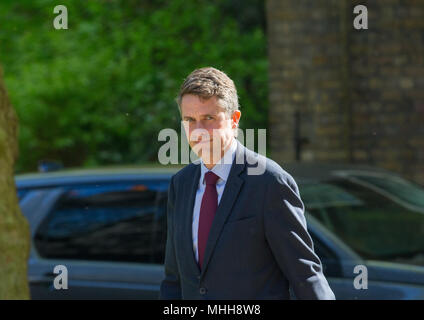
{"x": 199, "y": 125}
{"x": 199, "y": 132}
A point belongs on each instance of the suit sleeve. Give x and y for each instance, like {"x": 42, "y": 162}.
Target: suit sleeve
{"x": 170, "y": 288}
{"x": 292, "y": 246}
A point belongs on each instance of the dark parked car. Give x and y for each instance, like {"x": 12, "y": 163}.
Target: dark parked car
{"x": 108, "y": 227}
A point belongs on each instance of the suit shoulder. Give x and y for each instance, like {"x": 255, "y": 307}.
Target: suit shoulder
{"x": 276, "y": 170}
{"x": 273, "y": 173}
{"x": 279, "y": 174}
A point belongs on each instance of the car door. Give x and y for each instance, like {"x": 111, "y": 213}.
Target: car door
{"x": 331, "y": 262}
{"x": 110, "y": 237}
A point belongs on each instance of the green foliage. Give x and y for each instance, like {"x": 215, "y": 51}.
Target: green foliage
{"x": 99, "y": 92}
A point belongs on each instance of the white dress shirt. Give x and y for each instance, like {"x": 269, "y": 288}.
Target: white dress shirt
{"x": 222, "y": 170}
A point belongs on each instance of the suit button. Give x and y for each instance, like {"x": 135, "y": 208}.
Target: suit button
{"x": 202, "y": 291}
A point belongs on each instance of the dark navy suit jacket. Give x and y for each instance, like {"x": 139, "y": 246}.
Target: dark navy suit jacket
{"x": 258, "y": 245}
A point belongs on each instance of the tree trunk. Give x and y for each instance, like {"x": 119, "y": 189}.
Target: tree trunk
{"x": 14, "y": 229}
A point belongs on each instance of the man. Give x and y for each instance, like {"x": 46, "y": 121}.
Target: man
{"x": 231, "y": 234}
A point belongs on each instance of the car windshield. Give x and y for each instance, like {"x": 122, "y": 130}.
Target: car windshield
{"x": 397, "y": 188}
{"x": 377, "y": 218}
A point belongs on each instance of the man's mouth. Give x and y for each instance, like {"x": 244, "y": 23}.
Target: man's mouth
{"x": 202, "y": 141}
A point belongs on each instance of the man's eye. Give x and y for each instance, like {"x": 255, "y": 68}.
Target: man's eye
{"x": 209, "y": 118}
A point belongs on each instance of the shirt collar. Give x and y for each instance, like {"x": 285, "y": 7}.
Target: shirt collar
{"x": 223, "y": 167}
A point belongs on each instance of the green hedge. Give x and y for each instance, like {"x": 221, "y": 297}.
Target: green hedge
{"x": 99, "y": 92}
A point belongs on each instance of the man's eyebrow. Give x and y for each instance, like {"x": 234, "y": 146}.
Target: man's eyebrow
{"x": 207, "y": 115}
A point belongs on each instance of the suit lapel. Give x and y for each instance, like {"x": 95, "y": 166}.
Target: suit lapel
{"x": 190, "y": 194}
{"x": 231, "y": 191}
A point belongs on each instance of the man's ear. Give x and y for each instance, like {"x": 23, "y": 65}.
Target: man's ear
{"x": 235, "y": 118}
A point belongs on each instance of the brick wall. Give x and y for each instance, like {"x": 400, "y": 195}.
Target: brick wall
{"x": 359, "y": 93}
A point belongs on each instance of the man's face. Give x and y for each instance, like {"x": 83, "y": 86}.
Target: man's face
{"x": 208, "y": 127}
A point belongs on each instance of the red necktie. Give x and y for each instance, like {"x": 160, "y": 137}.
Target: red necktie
{"x": 207, "y": 213}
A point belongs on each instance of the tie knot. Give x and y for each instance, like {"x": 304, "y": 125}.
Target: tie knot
{"x": 211, "y": 178}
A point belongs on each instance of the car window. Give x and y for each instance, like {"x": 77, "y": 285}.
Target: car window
{"x": 405, "y": 192}
{"x": 122, "y": 222}
{"x": 374, "y": 226}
